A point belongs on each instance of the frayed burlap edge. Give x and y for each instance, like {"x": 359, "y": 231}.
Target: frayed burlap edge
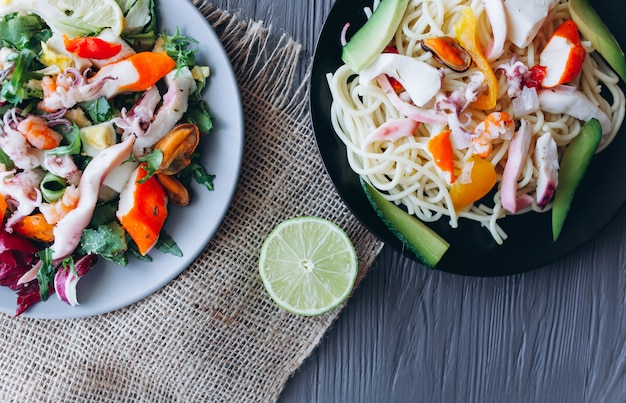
{"x": 212, "y": 334}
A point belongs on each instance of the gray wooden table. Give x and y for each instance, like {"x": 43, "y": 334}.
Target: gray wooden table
{"x": 410, "y": 334}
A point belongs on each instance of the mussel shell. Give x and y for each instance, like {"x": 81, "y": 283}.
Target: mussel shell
{"x": 177, "y": 147}
{"x": 447, "y": 51}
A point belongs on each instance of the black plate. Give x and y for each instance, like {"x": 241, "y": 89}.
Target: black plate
{"x": 473, "y": 252}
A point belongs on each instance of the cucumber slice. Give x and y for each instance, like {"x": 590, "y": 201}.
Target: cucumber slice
{"x": 574, "y": 164}
{"x": 372, "y": 38}
{"x": 425, "y": 243}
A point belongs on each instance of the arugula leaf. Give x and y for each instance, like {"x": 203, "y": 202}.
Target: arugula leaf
{"x": 23, "y": 31}
{"x": 45, "y": 275}
{"x": 99, "y": 110}
{"x": 196, "y": 171}
{"x": 198, "y": 114}
{"x": 179, "y": 48}
{"x": 68, "y": 263}
{"x": 120, "y": 259}
{"x": 71, "y": 135}
{"x": 6, "y": 160}
{"x": 152, "y": 163}
{"x": 16, "y": 89}
{"x": 104, "y": 213}
{"x": 81, "y": 161}
{"x": 166, "y": 244}
{"x": 133, "y": 251}
{"x": 107, "y": 240}
{"x": 5, "y": 107}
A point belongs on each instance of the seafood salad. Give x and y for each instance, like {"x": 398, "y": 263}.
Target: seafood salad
{"x": 465, "y": 110}
{"x": 102, "y": 116}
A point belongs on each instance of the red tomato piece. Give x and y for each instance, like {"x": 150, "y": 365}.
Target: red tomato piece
{"x": 91, "y": 47}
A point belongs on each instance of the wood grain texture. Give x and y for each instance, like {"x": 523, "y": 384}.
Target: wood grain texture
{"x": 557, "y": 334}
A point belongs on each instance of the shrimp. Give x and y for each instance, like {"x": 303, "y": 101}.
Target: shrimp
{"x": 54, "y": 212}
{"x": 13, "y": 143}
{"x": 497, "y": 125}
{"x": 38, "y": 134}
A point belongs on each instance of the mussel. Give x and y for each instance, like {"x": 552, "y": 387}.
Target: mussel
{"x": 447, "y": 51}
{"x": 177, "y": 193}
{"x": 177, "y": 147}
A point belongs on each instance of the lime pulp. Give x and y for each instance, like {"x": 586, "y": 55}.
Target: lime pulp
{"x": 308, "y": 265}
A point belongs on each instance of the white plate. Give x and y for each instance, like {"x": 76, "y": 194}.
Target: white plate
{"x": 108, "y": 287}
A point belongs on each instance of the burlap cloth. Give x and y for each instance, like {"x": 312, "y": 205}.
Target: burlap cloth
{"x": 212, "y": 334}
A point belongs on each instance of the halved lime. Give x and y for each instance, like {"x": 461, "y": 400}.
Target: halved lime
{"x": 308, "y": 265}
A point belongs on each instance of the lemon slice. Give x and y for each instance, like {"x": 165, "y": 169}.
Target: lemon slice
{"x": 71, "y": 17}
{"x": 308, "y": 265}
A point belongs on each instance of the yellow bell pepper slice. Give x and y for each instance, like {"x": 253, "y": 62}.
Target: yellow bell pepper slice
{"x": 482, "y": 179}
{"x": 466, "y": 35}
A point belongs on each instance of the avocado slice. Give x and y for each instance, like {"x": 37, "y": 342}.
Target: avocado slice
{"x": 574, "y": 164}
{"x": 372, "y": 38}
{"x": 425, "y": 243}
{"x": 595, "y": 30}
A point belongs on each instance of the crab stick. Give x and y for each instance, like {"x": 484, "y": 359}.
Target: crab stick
{"x": 143, "y": 209}
{"x": 137, "y": 72}
{"x": 563, "y": 55}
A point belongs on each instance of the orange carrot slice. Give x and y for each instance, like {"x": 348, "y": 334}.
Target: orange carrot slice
{"x": 3, "y": 208}
{"x": 440, "y": 147}
{"x": 35, "y": 227}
